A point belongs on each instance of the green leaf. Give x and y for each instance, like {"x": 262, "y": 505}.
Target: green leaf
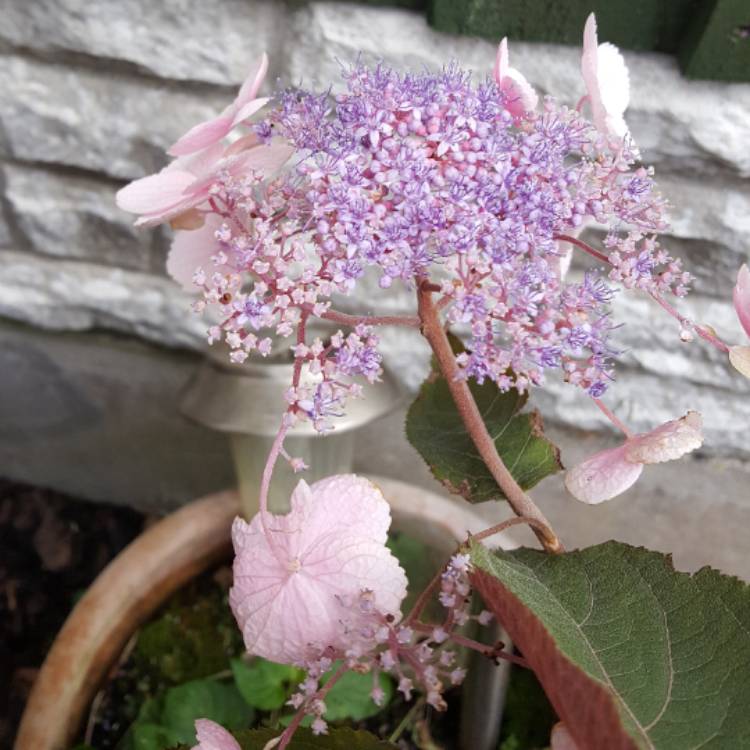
{"x": 350, "y": 698}
{"x": 631, "y": 653}
{"x": 421, "y": 562}
{"x": 264, "y": 684}
{"x": 304, "y": 739}
{"x": 336, "y": 739}
{"x": 434, "y": 427}
{"x": 147, "y": 736}
{"x": 203, "y": 699}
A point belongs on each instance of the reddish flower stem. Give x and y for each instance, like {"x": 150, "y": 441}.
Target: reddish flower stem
{"x": 705, "y": 334}
{"x": 522, "y": 505}
{"x": 581, "y": 245}
{"x": 492, "y": 652}
{"x": 411, "y": 321}
{"x": 612, "y": 417}
{"x": 288, "y": 733}
{"x": 503, "y": 525}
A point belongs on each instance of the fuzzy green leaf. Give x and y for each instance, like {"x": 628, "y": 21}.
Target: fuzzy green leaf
{"x": 434, "y": 427}
{"x": 350, "y": 698}
{"x": 631, "y": 653}
{"x": 264, "y": 684}
{"x": 203, "y": 699}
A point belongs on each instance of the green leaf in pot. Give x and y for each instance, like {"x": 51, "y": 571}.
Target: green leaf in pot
{"x": 264, "y": 684}
{"x": 631, "y": 653}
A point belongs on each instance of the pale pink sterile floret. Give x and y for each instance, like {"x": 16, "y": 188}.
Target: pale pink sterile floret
{"x": 186, "y": 183}
{"x": 521, "y": 96}
{"x": 212, "y": 736}
{"x": 561, "y": 738}
{"x": 607, "y": 82}
{"x": 193, "y": 249}
{"x": 293, "y": 594}
{"x": 668, "y": 442}
{"x": 609, "y": 473}
{"x": 742, "y": 297}
{"x": 244, "y": 106}
{"x": 602, "y": 476}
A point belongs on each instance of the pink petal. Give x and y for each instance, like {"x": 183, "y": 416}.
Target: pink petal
{"x": 354, "y": 501}
{"x": 501, "y": 61}
{"x": 602, "y": 476}
{"x": 614, "y": 80}
{"x": 155, "y": 194}
{"x": 212, "y": 736}
{"x": 192, "y": 249}
{"x": 607, "y": 83}
{"x": 293, "y": 599}
{"x": 520, "y": 94}
{"x": 739, "y": 356}
{"x": 248, "y": 110}
{"x": 742, "y": 297}
{"x": 251, "y": 86}
{"x": 200, "y": 162}
{"x": 667, "y": 442}
{"x": 243, "y": 144}
{"x": 263, "y": 158}
{"x": 202, "y": 135}
{"x": 561, "y": 739}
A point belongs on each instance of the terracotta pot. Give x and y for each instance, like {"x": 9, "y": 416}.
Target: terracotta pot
{"x": 162, "y": 559}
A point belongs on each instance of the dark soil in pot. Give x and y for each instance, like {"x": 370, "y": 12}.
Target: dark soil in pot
{"x": 51, "y": 548}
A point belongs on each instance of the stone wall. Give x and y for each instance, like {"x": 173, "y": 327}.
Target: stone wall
{"x": 94, "y": 91}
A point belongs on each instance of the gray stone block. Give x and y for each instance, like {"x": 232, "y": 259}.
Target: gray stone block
{"x": 190, "y": 40}
{"x": 67, "y": 295}
{"x": 97, "y": 416}
{"x": 69, "y": 216}
{"x": 97, "y": 121}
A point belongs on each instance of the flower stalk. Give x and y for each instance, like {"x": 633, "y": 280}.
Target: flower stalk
{"x": 523, "y": 506}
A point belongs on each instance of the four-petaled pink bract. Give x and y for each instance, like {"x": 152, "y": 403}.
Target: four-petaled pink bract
{"x": 296, "y": 589}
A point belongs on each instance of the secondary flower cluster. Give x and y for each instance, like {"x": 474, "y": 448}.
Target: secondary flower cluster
{"x": 319, "y": 584}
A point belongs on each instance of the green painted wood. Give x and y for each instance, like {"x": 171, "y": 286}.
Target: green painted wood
{"x": 631, "y": 24}
{"x": 716, "y": 44}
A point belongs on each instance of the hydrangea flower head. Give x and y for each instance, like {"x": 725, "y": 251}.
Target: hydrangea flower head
{"x": 421, "y": 177}
{"x": 295, "y": 587}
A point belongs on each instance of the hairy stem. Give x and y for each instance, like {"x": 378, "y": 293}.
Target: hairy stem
{"x": 522, "y": 505}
